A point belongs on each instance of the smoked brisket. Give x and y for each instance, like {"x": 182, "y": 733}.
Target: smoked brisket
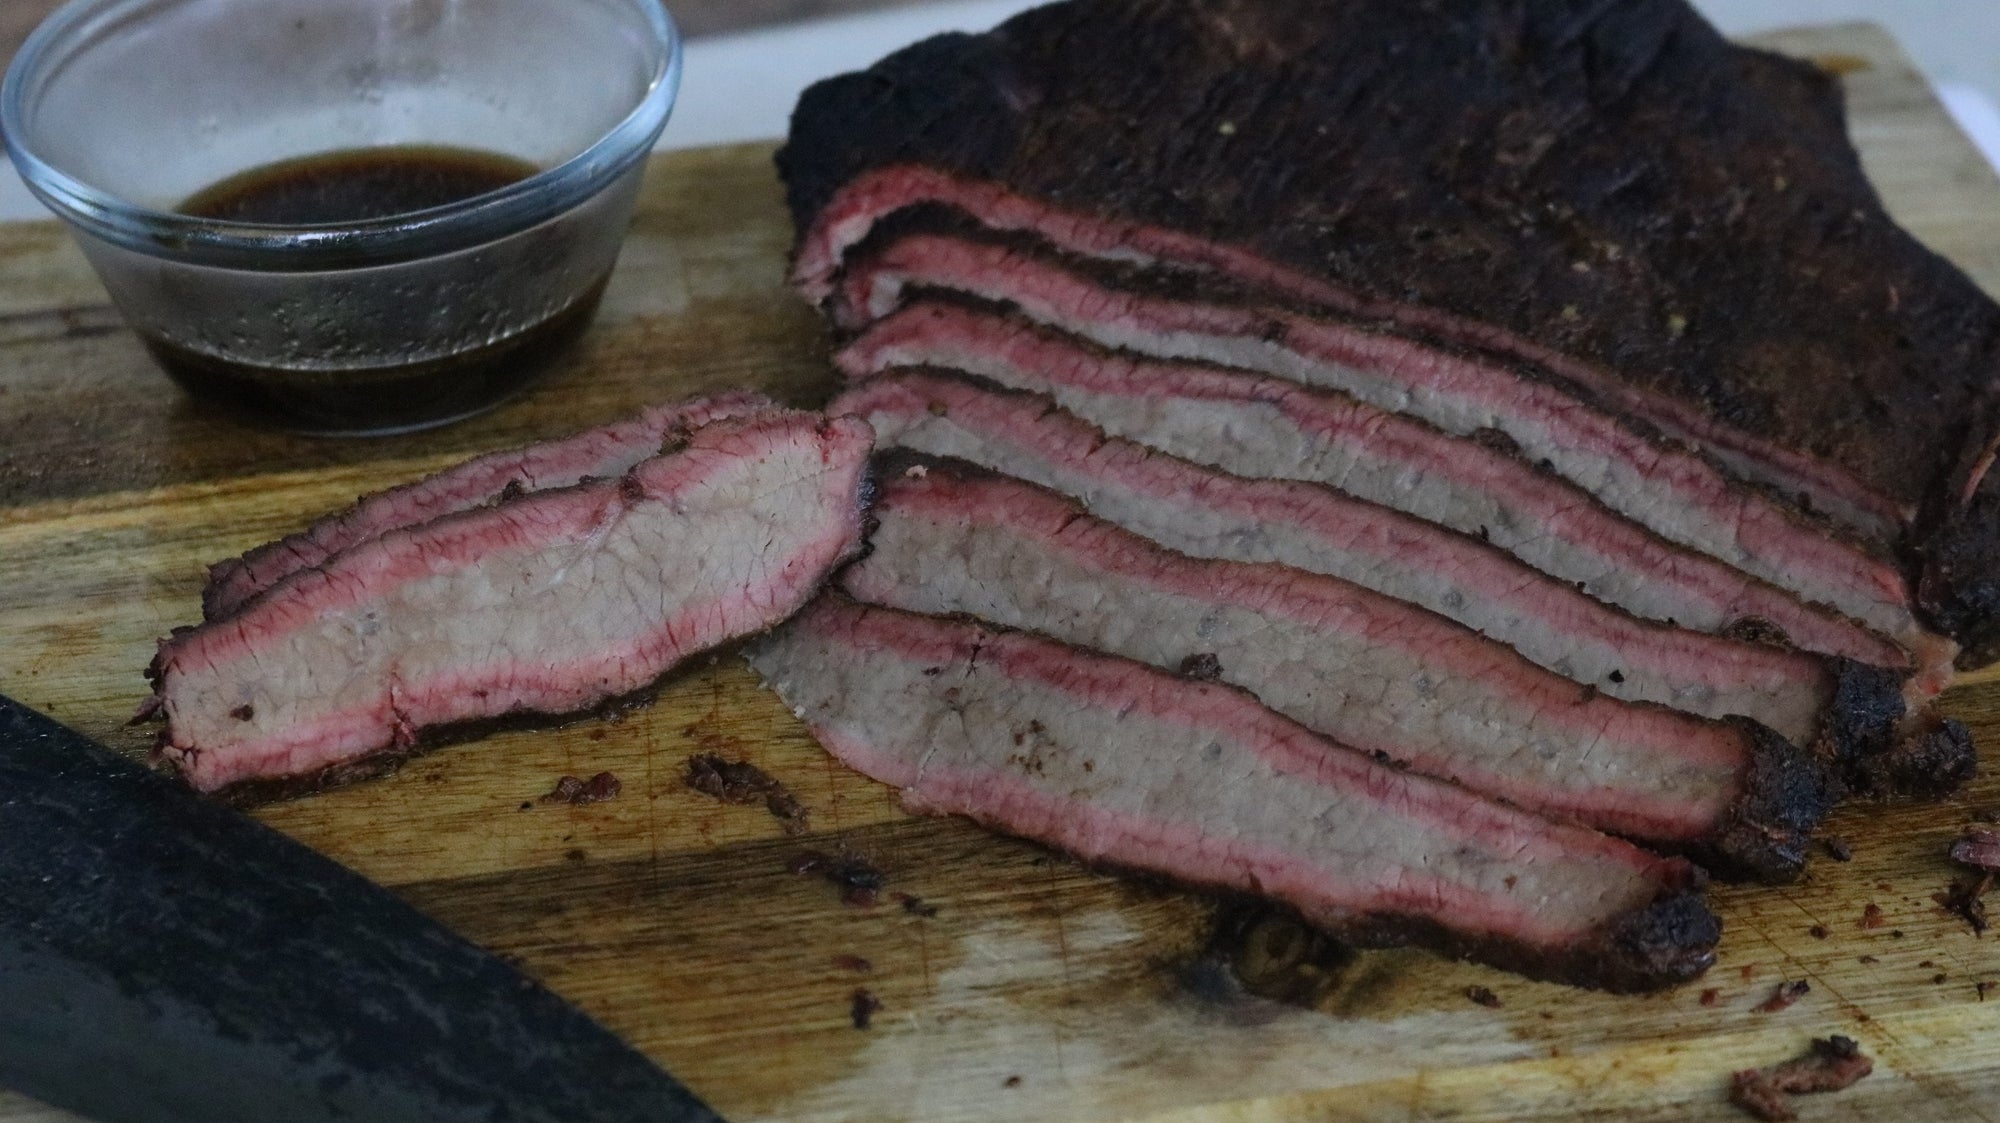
{"x": 1608, "y": 199}
{"x": 1207, "y": 513}
{"x": 549, "y": 601}
{"x": 1379, "y": 674}
{"x": 1130, "y": 766}
{"x": 1260, "y": 426}
{"x": 602, "y": 453}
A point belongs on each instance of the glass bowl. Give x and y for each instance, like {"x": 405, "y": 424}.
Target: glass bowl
{"x": 118, "y": 111}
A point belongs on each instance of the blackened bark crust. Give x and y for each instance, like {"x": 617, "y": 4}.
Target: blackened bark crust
{"x": 1614, "y": 181}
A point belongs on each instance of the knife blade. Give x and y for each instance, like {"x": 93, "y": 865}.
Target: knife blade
{"x": 166, "y": 958}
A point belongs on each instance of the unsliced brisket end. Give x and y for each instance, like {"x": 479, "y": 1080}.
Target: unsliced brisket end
{"x": 1379, "y": 674}
{"x": 1260, "y": 426}
{"x": 601, "y": 453}
{"x": 1652, "y": 481}
{"x": 1127, "y": 765}
{"x": 1207, "y": 513}
{"x": 547, "y": 602}
{"x": 1613, "y": 183}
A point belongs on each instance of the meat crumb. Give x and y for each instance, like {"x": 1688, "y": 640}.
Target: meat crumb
{"x": 1838, "y": 849}
{"x": 1982, "y": 989}
{"x": 1483, "y": 997}
{"x": 1748, "y": 971}
{"x": 853, "y": 963}
{"x": 1782, "y": 998}
{"x": 1709, "y": 996}
{"x": 597, "y": 789}
{"x": 915, "y": 905}
{"x": 863, "y": 1007}
{"x": 1817, "y": 932}
{"x": 1979, "y": 848}
{"x": 739, "y": 781}
{"x": 1832, "y": 1063}
{"x": 1202, "y": 667}
{"x": 1868, "y": 959}
{"x": 1011, "y": 1082}
{"x": 1965, "y": 898}
{"x": 1938, "y": 979}
{"x": 1871, "y": 916}
{"x": 860, "y": 884}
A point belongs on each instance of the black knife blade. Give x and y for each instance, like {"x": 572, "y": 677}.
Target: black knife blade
{"x": 165, "y": 958}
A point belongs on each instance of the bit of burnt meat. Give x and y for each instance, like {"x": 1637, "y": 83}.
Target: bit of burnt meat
{"x": 863, "y": 1007}
{"x": 916, "y": 906}
{"x": 1871, "y": 917}
{"x": 1483, "y": 996}
{"x": 1832, "y": 1063}
{"x": 1710, "y": 996}
{"x": 745, "y": 783}
{"x": 1202, "y": 666}
{"x": 859, "y": 882}
{"x": 597, "y": 789}
{"x": 1980, "y": 847}
{"x": 1838, "y": 848}
{"x": 1965, "y": 898}
{"x": 1783, "y": 996}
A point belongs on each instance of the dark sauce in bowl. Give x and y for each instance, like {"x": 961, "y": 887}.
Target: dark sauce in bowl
{"x": 356, "y": 184}
{"x": 351, "y": 186}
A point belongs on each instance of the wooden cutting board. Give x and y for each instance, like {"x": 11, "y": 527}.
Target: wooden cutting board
{"x": 1035, "y": 989}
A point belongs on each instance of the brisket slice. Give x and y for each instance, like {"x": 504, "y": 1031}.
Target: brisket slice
{"x": 880, "y": 194}
{"x": 1653, "y": 482}
{"x": 1381, "y": 675}
{"x": 1127, "y": 765}
{"x": 547, "y": 602}
{"x": 1257, "y": 426}
{"x": 1613, "y": 183}
{"x": 1849, "y": 709}
{"x": 601, "y": 453}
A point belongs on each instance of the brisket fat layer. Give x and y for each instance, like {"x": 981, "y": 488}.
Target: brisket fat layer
{"x": 1656, "y": 483}
{"x": 1207, "y": 513}
{"x": 1683, "y": 219}
{"x": 1379, "y": 674}
{"x": 602, "y": 453}
{"x": 1117, "y": 763}
{"x": 1260, "y": 426}
{"x": 546, "y": 602}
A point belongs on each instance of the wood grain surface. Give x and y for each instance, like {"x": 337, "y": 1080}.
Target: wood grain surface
{"x": 1036, "y": 989}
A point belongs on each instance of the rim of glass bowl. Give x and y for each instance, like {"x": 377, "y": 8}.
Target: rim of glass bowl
{"x": 381, "y": 241}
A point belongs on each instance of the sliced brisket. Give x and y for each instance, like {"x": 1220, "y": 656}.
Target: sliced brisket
{"x": 1128, "y": 765}
{"x": 549, "y": 601}
{"x": 1254, "y": 426}
{"x": 1206, "y": 513}
{"x": 1379, "y": 674}
{"x": 1653, "y": 482}
{"x": 1667, "y": 225}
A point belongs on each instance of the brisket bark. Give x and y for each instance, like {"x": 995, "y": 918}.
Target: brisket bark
{"x": 1254, "y": 426}
{"x": 546, "y": 602}
{"x": 1381, "y": 675}
{"x": 1206, "y": 513}
{"x": 602, "y": 453}
{"x": 1653, "y": 482}
{"x": 1667, "y": 225}
{"x": 1117, "y": 762}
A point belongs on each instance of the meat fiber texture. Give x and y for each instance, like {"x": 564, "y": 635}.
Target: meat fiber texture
{"x": 549, "y": 602}
{"x": 602, "y": 453}
{"x": 1849, "y": 710}
{"x": 1130, "y": 766}
{"x": 1657, "y": 484}
{"x": 1611, "y": 198}
{"x": 1263, "y": 427}
{"x": 1379, "y": 674}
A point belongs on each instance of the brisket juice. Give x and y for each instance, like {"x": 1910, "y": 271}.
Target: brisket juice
{"x": 386, "y": 392}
